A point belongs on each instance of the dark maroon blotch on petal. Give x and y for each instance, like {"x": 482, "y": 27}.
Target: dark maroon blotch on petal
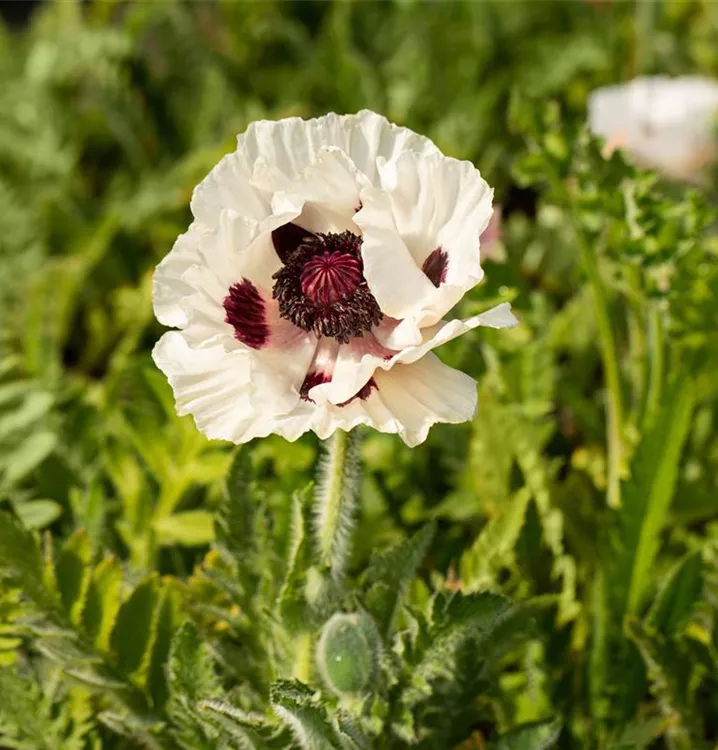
{"x": 288, "y": 238}
{"x": 363, "y": 393}
{"x": 245, "y": 311}
{"x": 317, "y": 377}
{"x": 435, "y": 266}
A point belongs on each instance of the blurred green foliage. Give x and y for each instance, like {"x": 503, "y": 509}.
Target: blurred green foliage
{"x": 544, "y": 577}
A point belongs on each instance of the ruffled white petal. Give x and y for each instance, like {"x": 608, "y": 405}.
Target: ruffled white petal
{"x": 328, "y": 190}
{"x": 168, "y": 286}
{"x": 406, "y": 401}
{"x": 363, "y": 357}
{"x": 232, "y": 395}
{"x": 395, "y": 280}
{"x": 426, "y": 204}
{"x": 229, "y": 186}
{"x": 291, "y": 145}
{"x": 421, "y": 394}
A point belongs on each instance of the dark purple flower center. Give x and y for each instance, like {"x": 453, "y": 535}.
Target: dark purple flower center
{"x": 330, "y": 277}
{"x": 321, "y": 286}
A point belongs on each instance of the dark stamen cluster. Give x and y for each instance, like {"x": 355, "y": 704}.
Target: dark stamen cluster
{"x": 321, "y": 287}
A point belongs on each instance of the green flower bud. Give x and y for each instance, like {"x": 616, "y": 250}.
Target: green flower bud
{"x": 347, "y": 652}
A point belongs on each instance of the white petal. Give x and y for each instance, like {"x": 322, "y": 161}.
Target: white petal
{"x": 327, "y": 190}
{"x": 395, "y": 280}
{"x": 168, "y": 286}
{"x": 406, "y": 401}
{"x": 421, "y": 394}
{"x": 292, "y": 144}
{"x": 363, "y": 357}
{"x": 232, "y": 395}
{"x": 229, "y": 186}
{"x": 429, "y": 204}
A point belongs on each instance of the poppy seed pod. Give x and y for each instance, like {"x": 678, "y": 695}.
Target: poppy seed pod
{"x": 347, "y": 652}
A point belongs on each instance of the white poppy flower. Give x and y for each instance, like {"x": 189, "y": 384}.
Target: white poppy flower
{"x": 311, "y": 287}
{"x": 664, "y": 123}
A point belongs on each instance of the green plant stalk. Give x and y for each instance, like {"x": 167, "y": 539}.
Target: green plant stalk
{"x": 655, "y": 382}
{"x": 609, "y": 357}
{"x": 335, "y": 502}
{"x": 329, "y": 511}
{"x": 303, "y": 658}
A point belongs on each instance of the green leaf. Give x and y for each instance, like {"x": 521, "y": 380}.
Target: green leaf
{"x": 667, "y": 683}
{"x": 238, "y": 726}
{"x": 33, "y": 408}
{"x": 21, "y": 561}
{"x": 190, "y": 528}
{"x": 74, "y": 573}
{"x": 678, "y": 597}
{"x": 28, "y": 455}
{"x": 156, "y": 668}
{"x": 536, "y": 736}
{"x": 190, "y": 671}
{"x": 640, "y": 734}
{"x": 349, "y": 733}
{"x": 37, "y": 514}
{"x": 495, "y": 543}
{"x": 456, "y": 620}
{"x": 390, "y": 572}
{"x": 295, "y": 705}
{"x": 103, "y": 602}
{"x": 133, "y": 635}
{"x": 646, "y": 498}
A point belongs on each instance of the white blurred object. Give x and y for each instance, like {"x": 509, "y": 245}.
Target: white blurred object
{"x": 668, "y": 124}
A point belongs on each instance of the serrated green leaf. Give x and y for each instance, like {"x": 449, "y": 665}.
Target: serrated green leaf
{"x": 294, "y": 704}
{"x": 190, "y": 670}
{"x": 665, "y": 673}
{"x": 390, "y": 572}
{"x": 678, "y": 597}
{"x": 21, "y": 561}
{"x": 166, "y": 624}
{"x": 67, "y": 652}
{"x": 103, "y": 602}
{"x": 456, "y": 620}
{"x": 494, "y": 544}
{"x": 133, "y": 634}
{"x": 74, "y": 573}
{"x": 537, "y": 736}
{"x": 189, "y": 528}
{"x": 238, "y": 726}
